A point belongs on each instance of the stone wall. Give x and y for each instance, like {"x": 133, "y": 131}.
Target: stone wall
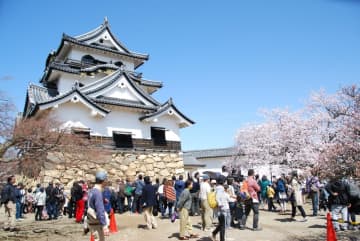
{"x": 118, "y": 165}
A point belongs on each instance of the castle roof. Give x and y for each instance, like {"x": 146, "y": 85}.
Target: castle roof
{"x": 40, "y": 98}
{"x": 168, "y": 108}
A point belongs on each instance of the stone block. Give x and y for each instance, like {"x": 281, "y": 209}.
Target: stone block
{"x": 164, "y": 173}
{"x": 179, "y": 171}
{"x": 149, "y": 161}
{"x": 123, "y": 167}
{"x": 149, "y": 167}
{"x": 151, "y": 174}
{"x": 142, "y": 157}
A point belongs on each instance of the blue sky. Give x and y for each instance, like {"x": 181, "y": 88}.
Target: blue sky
{"x": 220, "y": 61}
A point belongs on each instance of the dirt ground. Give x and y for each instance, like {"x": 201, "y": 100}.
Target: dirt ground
{"x": 131, "y": 228}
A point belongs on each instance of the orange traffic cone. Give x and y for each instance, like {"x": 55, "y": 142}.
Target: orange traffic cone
{"x": 113, "y": 226}
{"x": 92, "y": 237}
{"x": 330, "y": 231}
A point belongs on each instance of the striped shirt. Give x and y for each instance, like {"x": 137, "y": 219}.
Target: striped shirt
{"x": 169, "y": 193}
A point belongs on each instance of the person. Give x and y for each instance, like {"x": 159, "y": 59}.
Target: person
{"x": 80, "y": 201}
{"x": 230, "y": 190}
{"x": 148, "y": 202}
{"x": 128, "y": 193}
{"x": 253, "y": 202}
{"x": 30, "y": 200}
{"x": 40, "y": 198}
{"x": 223, "y": 209}
{"x": 264, "y": 183}
{"x": 281, "y": 191}
{"x": 339, "y": 202}
{"x": 20, "y": 196}
{"x": 195, "y": 190}
{"x": 139, "y": 185}
{"x": 270, "y": 192}
{"x": 314, "y": 186}
{"x": 51, "y": 201}
{"x": 179, "y": 187}
{"x": 107, "y": 197}
{"x": 8, "y": 199}
{"x": 296, "y": 197}
{"x": 121, "y": 196}
{"x": 162, "y": 198}
{"x": 169, "y": 193}
{"x": 183, "y": 207}
{"x": 96, "y": 216}
{"x": 206, "y": 211}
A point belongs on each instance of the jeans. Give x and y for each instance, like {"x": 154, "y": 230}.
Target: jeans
{"x": 240, "y": 213}
{"x": 162, "y": 204}
{"x": 336, "y": 210}
{"x": 220, "y": 227}
{"x": 195, "y": 205}
{"x": 51, "y": 210}
{"x": 315, "y": 202}
{"x": 136, "y": 207}
{"x": 18, "y": 210}
{"x": 249, "y": 205}
{"x": 120, "y": 204}
{"x": 227, "y": 219}
{"x": 129, "y": 202}
{"x": 170, "y": 205}
{"x": 232, "y": 206}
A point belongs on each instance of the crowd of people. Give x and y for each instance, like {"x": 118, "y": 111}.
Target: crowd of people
{"x": 224, "y": 201}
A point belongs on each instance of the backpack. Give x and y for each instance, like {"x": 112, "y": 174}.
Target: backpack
{"x": 354, "y": 191}
{"x": 244, "y": 191}
{"x": 313, "y": 187}
{"x": 4, "y": 195}
{"x": 128, "y": 190}
{"x": 270, "y": 192}
{"x": 139, "y": 187}
{"x": 212, "y": 199}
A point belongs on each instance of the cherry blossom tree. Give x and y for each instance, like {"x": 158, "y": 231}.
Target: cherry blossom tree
{"x": 323, "y": 136}
{"x": 341, "y": 151}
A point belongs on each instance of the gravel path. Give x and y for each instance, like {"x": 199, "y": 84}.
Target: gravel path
{"x": 275, "y": 228}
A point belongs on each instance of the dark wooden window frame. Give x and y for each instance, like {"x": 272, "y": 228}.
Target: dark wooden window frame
{"x": 123, "y": 139}
{"x": 158, "y": 136}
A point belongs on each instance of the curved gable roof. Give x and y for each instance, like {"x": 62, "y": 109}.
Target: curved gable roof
{"x": 111, "y": 80}
{"x": 39, "y": 97}
{"x": 168, "y": 108}
{"x": 98, "y": 31}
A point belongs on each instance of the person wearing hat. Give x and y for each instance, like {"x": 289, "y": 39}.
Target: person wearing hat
{"x": 206, "y": 211}
{"x": 96, "y": 216}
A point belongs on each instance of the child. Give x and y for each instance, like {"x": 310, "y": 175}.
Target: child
{"x": 270, "y": 195}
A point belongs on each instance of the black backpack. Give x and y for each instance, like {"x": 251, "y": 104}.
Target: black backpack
{"x": 4, "y": 195}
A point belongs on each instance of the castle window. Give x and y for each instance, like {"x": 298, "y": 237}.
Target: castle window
{"x": 118, "y": 63}
{"x": 122, "y": 139}
{"x": 158, "y": 136}
{"x": 82, "y": 132}
{"x": 88, "y": 59}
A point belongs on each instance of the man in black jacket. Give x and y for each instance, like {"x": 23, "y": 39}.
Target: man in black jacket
{"x": 148, "y": 200}
{"x": 339, "y": 202}
{"x": 9, "y": 199}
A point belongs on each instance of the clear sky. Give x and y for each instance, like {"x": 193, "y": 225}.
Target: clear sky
{"x": 221, "y": 61}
